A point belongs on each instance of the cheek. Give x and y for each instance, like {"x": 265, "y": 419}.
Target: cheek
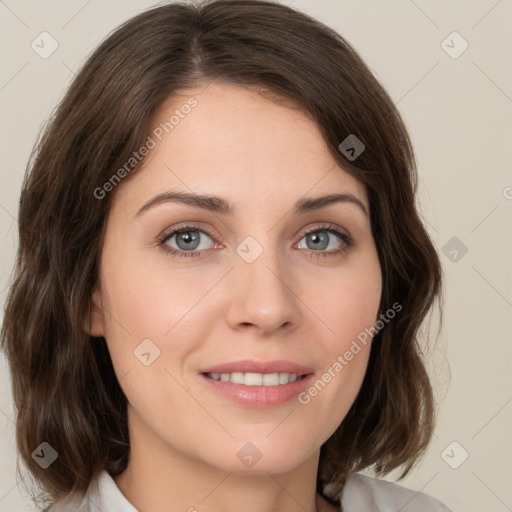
{"x": 350, "y": 311}
{"x": 348, "y": 300}
{"x": 149, "y": 300}
{"x": 157, "y": 312}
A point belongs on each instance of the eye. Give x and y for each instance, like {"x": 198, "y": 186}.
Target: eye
{"x": 324, "y": 238}
{"x": 191, "y": 240}
{"x": 188, "y": 240}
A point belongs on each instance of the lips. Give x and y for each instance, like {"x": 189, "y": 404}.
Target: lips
{"x": 253, "y": 366}
{"x": 226, "y": 380}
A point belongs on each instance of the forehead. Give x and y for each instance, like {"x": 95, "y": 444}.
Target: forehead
{"x": 231, "y": 141}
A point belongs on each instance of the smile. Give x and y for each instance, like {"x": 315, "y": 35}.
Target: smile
{"x": 255, "y": 379}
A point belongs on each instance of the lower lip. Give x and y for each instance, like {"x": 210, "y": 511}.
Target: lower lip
{"x": 260, "y": 397}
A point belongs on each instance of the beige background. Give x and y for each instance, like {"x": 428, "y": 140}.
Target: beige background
{"x": 459, "y": 113}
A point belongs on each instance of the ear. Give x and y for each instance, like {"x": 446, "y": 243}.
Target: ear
{"x": 94, "y": 325}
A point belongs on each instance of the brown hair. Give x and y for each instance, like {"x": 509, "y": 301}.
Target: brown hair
{"x": 64, "y": 386}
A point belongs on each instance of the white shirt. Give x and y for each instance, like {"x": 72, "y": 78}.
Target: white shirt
{"x": 361, "y": 494}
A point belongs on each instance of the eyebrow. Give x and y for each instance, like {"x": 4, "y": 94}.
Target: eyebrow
{"x": 220, "y": 205}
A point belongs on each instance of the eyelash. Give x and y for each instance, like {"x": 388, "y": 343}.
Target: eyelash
{"x": 329, "y": 228}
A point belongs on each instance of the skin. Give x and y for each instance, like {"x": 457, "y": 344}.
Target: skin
{"x": 215, "y": 307}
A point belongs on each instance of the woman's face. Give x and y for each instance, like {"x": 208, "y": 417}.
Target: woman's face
{"x": 249, "y": 285}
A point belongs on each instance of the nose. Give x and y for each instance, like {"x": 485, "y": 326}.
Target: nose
{"x": 263, "y": 297}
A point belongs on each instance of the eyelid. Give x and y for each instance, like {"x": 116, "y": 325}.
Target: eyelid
{"x": 327, "y": 227}
{"x": 187, "y": 226}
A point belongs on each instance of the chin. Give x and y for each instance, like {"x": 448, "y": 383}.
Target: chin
{"x": 252, "y": 458}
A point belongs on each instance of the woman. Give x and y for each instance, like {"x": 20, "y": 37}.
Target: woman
{"x": 221, "y": 275}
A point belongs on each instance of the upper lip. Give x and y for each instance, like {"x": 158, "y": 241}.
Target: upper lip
{"x": 254, "y": 366}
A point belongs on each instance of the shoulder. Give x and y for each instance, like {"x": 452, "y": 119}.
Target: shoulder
{"x": 102, "y": 496}
{"x": 76, "y": 502}
{"x": 365, "y": 493}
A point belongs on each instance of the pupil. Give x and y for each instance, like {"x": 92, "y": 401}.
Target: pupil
{"x": 318, "y": 239}
{"x": 188, "y": 238}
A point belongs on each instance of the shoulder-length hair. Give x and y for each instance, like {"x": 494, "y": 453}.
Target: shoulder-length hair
{"x": 64, "y": 386}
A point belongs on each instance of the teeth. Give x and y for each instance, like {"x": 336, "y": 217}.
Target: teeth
{"x": 255, "y": 379}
